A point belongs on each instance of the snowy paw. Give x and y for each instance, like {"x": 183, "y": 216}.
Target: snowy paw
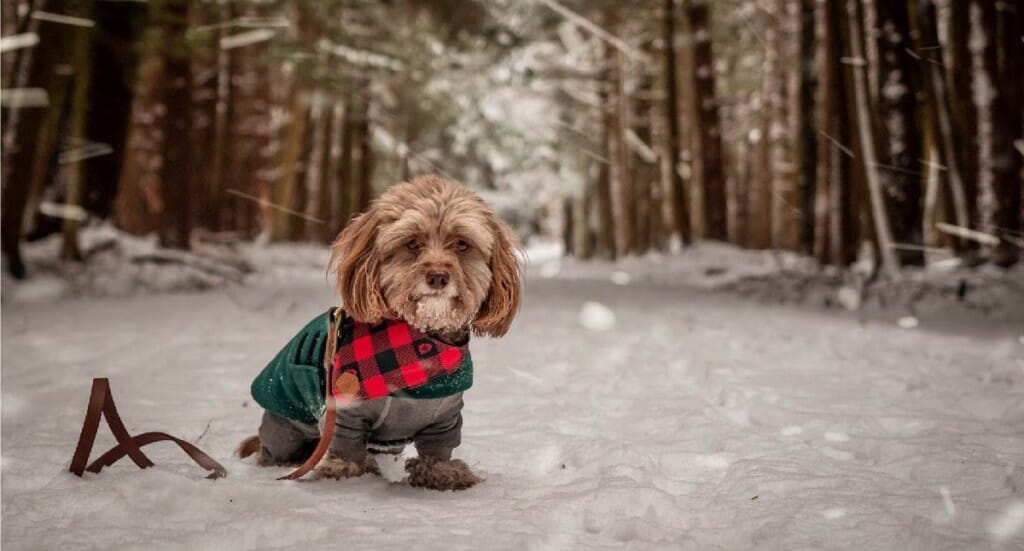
{"x": 438, "y": 474}
{"x": 332, "y": 466}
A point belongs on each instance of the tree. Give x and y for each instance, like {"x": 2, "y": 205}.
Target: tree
{"x": 805, "y": 123}
{"x": 172, "y": 19}
{"x": 77, "y": 138}
{"x": 899, "y": 169}
{"x": 680, "y": 203}
{"x": 620, "y": 160}
{"x": 867, "y": 144}
{"x": 961, "y": 86}
{"x": 1004, "y": 62}
{"x": 835, "y": 228}
{"x": 709, "y": 135}
{"x": 925, "y": 34}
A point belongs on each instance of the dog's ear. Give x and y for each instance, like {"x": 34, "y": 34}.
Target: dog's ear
{"x": 356, "y": 267}
{"x": 502, "y": 302}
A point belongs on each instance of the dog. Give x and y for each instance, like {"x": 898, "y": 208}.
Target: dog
{"x": 429, "y": 257}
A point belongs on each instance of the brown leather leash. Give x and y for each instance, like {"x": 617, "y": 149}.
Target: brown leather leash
{"x": 101, "y": 405}
{"x": 327, "y": 430}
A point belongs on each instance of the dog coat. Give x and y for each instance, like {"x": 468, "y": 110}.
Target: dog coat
{"x": 292, "y": 385}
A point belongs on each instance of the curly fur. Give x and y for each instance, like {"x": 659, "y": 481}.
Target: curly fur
{"x": 332, "y": 466}
{"x": 381, "y": 259}
{"x": 440, "y": 474}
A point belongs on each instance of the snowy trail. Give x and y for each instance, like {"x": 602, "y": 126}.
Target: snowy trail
{"x": 699, "y": 421}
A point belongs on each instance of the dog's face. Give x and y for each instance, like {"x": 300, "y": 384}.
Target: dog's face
{"x": 432, "y": 253}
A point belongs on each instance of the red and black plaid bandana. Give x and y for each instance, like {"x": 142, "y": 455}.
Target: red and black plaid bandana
{"x": 373, "y": 361}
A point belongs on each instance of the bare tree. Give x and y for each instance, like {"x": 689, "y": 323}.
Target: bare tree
{"x": 172, "y": 19}
{"x": 1004, "y": 60}
{"x": 925, "y": 34}
{"x": 680, "y": 203}
{"x": 835, "y": 228}
{"x": 706, "y": 119}
{"x": 899, "y": 170}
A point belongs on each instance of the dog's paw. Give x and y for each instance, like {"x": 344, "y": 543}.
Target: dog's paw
{"x": 332, "y": 466}
{"x": 438, "y": 474}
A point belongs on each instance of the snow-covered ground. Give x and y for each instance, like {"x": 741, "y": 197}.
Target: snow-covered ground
{"x": 622, "y": 411}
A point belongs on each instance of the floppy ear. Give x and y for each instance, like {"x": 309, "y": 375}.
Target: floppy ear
{"x": 356, "y": 265}
{"x": 502, "y": 302}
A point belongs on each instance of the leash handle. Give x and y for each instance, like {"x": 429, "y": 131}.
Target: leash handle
{"x": 101, "y": 405}
{"x": 330, "y": 415}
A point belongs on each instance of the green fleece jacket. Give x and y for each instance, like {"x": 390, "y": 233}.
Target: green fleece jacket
{"x": 292, "y": 384}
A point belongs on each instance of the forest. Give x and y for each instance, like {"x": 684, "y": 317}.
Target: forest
{"x": 839, "y": 129}
{"x": 769, "y": 294}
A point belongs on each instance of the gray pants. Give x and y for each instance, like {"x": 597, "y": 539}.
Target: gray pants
{"x": 382, "y": 425}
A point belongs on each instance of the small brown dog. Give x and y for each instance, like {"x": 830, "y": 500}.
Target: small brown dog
{"x": 428, "y": 259}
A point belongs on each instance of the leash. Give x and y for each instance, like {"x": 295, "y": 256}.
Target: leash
{"x": 330, "y": 415}
{"x": 101, "y": 405}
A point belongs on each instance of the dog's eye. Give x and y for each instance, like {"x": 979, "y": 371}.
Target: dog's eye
{"x": 413, "y": 245}
{"x": 461, "y": 245}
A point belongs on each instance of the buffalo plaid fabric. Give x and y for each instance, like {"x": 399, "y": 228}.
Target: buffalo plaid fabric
{"x": 387, "y": 357}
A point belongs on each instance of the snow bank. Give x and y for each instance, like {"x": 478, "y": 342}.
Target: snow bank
{"x": 780, "y": 277}
{"x": 121, "y": 264}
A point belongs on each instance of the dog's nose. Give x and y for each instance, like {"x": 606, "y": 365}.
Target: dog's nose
{"x": 437, "y": 279}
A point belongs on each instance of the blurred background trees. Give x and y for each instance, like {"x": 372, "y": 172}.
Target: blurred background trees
{"x": 834, "y": 128}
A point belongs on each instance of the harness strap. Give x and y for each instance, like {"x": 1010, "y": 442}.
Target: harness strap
{"x": 330, "y": 415}
{"x": 101, "y": 405}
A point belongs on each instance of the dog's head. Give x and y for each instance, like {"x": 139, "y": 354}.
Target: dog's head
{"x": 432, "y": 253}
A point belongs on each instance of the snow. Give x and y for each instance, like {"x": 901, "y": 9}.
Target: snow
{"x": 907, "y": 322}
{"x": 18, "y": 41}
{"x": 20, "y": 98}
{"x": 702, "y": 420}
{"x": 246, "y": 38}
{"x": 596, "y": 316}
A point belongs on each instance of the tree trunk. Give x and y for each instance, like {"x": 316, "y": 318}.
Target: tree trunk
{"x": 342, "y": 135}
{"x": 315, "y": 184}
{"x": 805, "y": 126}
{"x": 763, "y": 202}
{"x": 626, "y": 220}
{"x": 174, "y": 169}
{"x": 606, "y": 216}
{"x": 785, "y": 133}
{"x": 659, "y": 174}
{"x": 114, "y": 62}
{"x": 347, "y": 206}
{"x": 706, "y": 119}
{"x": 364, "y": 193}
{"x": 329, "y": 176}
{"x": 76, "y": 179}
{"x": 900, "y": 171}
{"x": 216, "y": 199}
{"x": 866, "y": 142}
{"x": 568, "y": 226}
{"x": 205, "y": 75}
{"x": 926, "y": 37}
{"x": 139, "y": 204}
{"x": 584, "y": 208}
{"x": 835, "y": 226}
{"x": 291, "y": 159}
{"x": 644, "y": 168}
{"x": 680, "y": 202}
{"x": 961, "y": 86}
{"x": 1007, "y": 49}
